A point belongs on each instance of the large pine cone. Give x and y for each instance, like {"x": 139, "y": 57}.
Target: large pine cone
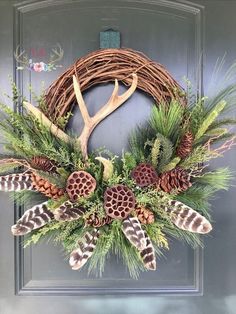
{"x": 119, "y": 201}
{"x": 177, "y": 180}
{"x": 42, "y": 185}
{"x": 185, "y": 146}
{"x": 144, "y": 175}
{"x": 44, "y": 164}
{"x": 145, "y": 216}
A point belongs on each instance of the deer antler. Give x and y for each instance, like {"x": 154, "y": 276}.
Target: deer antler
{"x": 21, "y": 56}
{"x": 56, "y": 55}
{"x": 90, "y": 123}
{"x": 113, "y": 103}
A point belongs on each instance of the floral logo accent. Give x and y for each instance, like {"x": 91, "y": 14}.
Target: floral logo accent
{"x": 26, "y": 63}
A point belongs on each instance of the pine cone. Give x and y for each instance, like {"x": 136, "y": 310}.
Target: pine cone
{"x": 80, "y": 184}
{"x": 185, "y": 146}
{"x": 119, "y": 201}
{"x": 145, "y": 216}
{"x": 42, "y": 185}
{"x": 144, "y": 175}
{"x": 96, "y": 222}
{"x": 44, "y": 164}
{"x": 177, "y": 179}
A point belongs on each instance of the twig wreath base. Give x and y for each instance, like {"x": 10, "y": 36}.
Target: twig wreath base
{"x": 102, "y": 66}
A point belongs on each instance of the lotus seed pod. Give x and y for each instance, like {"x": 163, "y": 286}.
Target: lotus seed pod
{"x": 144, "y": 175}
{"x": 119, "y": 201}
{"x": 80, "y": 184}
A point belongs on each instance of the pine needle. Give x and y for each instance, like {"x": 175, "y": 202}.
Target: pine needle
{"x": 210, "y": 118}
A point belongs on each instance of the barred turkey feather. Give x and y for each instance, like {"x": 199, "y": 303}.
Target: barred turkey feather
{"x": 186, "y": 218}
{"x": 34, "y": 218}
{"x": 133, "y": 231}
{"x": 85, "y": 250}
{"x": 68, "y": 212}
{"x": 148, "y": 255}
{"x": 16, "y": 182}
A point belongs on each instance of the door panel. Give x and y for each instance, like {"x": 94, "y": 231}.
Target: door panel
{"x": 172, "y": 33}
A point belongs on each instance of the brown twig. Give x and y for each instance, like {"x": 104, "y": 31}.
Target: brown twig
{"x": 104, "y": 66}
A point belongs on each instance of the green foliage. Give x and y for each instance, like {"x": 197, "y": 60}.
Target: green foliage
{"x": 156, "y": 234}
{"x": 210, "y": 118}
{"x": 199, "y": 155}
{"x": 166, "y": 119}
{"x": 154, "y": 143}
{"x": 155, "y": 151}
{"x": 192, "y": 239}
{"x": 218, "y": 179}
{"x": 172, "y": 164}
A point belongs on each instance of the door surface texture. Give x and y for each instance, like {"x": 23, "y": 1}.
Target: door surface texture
{"x": 188, "y": 38}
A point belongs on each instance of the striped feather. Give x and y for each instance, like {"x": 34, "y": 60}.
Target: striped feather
{"x": 33, "y": 218}
{"x": 133, "y": 231}
{"x": 148, "y": 255}
{"x": 68, "y": 212}
{"x": 186, "y": 218}
{"x": 16, "y": 182}
{"x": 85, "y": 250}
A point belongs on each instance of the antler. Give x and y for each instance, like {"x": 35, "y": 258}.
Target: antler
{"x": 57, "y": 54}
{"x": 90, "y": 123}
{"x": 21, "y": 56}
{"x": 113, "y": 103}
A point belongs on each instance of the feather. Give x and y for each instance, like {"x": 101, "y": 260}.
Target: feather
{"x": 33, "y": 218}
{"x": 16, "y": 182}
{"x": 85, "y": 250}
{"x": 133, "y": 231}
{"x": 186, "y": 218}
{"x": 68, "y": 212}
{"x": 148, "y": 255}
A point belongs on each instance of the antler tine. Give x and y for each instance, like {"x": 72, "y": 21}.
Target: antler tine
{"x": 57, "y": 54}
{"x": 113, "y": 103}
{"x": 46, "y": 122}
{"x": 21, "y": 57}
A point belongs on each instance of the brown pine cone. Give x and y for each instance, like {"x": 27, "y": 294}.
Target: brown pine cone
{"x": 145, "y": 216}
{"x": 44, "y": 164}
{"x": 42, "y": 185}
{"x": 96, "y": 222}
{"x": 177, "y": 180}
{"x": 185, "y": 146}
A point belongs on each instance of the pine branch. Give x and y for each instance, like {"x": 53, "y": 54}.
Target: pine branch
{"x": 166, "y": 120}
{"x": 210, "y": 118}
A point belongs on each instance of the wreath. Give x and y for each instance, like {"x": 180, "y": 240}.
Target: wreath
{"x": 96, "y": 203}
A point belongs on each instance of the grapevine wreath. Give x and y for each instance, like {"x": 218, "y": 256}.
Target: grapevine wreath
{"x": 95, "y": 202}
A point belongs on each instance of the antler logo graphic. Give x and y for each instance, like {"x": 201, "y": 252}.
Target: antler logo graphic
{"x": 24, "y": 62}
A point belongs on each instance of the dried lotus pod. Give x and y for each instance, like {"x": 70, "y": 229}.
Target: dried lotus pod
{"x": 119, "y": 201}
{"x": 144, "y": 175}
{"x": 80, "y": 184}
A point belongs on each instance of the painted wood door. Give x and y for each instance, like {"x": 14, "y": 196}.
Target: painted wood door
{"x": 185, "y": 37}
